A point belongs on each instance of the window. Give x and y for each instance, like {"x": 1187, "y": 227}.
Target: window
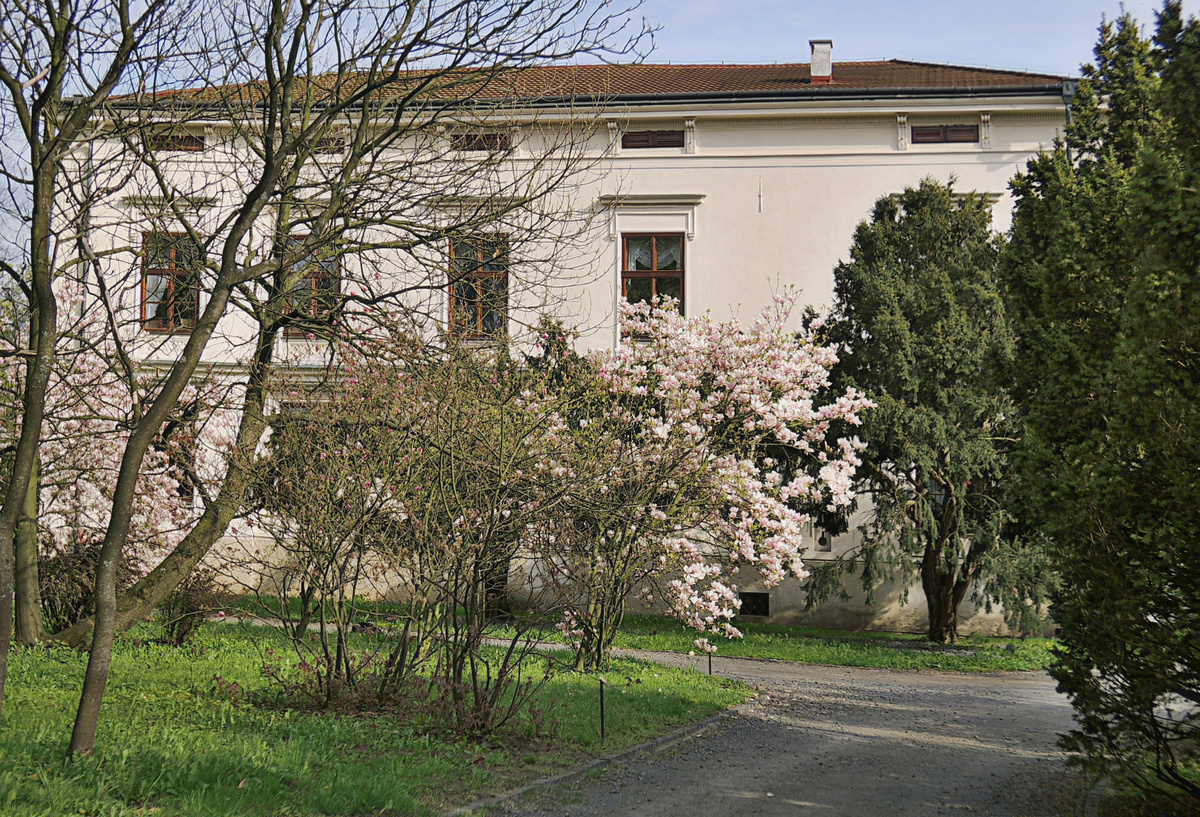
{"x": 316, "y": 289}
{"x": 652, "y": 139}
{"x": 933, "y": 134}
{"x": 824, "y": 543}
{"x": 479, "y": 286}
{"x": 652, "y": 265}
{"x": 170, "y": 282}
{"x": 755, "y": 604}
{"x": 489, "y": 141}
{"x": 175, "y": 140}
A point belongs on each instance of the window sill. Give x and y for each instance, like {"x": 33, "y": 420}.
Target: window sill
{"x": 164, "y": 330}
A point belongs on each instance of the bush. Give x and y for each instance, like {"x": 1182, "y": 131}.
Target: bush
{"x": 186, "y": 608}
{"x": 67, "y": 582}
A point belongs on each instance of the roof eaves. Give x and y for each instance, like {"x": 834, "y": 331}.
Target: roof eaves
{"x": 818, "y": 92}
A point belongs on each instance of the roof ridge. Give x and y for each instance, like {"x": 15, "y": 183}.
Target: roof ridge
{"x": 983, "y": 69}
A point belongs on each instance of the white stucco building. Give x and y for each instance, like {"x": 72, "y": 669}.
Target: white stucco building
{"x": 716, "y": 184}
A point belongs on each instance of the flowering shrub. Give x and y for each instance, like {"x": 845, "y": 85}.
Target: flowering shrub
{"x": 666, "y": 466}
{"x": 90, "y": 406}
{"x": 696, "y": 449}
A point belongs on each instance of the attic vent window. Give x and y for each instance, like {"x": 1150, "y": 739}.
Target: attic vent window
{"x": 652, "y": 139}
{"x": 486, "y": 141}
{"x": 940, "y": 134}
{"x": 175, "y": 140}
{"x": 755, "y": 604}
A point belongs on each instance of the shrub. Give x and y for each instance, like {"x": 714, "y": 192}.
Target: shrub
{"x": 186, "y": 608}
{"x": 67, "y": 581}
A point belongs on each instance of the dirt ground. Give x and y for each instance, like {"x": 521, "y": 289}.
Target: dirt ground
{"x": 842, "y": 741}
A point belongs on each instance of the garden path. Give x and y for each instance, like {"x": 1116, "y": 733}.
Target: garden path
{"x": 846, "y": 741}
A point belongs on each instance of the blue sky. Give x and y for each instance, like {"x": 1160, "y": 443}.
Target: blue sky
{"x": 1050, "y": 36}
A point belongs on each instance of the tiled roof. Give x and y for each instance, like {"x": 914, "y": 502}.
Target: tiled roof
{"x": 645, "y": 79}
{"x": 647, "y": 82}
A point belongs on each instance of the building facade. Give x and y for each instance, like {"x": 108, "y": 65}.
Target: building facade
{"x": 717, "y": 185}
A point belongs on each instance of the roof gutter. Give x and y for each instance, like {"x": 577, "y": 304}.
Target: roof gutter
{"x": 1064, "y": 89}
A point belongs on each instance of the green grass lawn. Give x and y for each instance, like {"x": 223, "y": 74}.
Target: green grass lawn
{"x": 807, "y": 645}
{"x": 174, "y": 741}
{"x": 847, "y": 649}
{"x": 841, "y": 648}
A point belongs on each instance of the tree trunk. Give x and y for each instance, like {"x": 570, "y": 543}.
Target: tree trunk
{"x": 138, "y": 601}
{"x": 944, "y": 592}
{"x": 29, "y": 626}
{"x": 939, "y": 595}
{"x": 95, "y": 679}
{"x": 43, "y": 338}
{"x": 943, "y": 612}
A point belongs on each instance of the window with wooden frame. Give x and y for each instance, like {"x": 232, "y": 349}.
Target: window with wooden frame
{"x": 174, "y": 140}
{"x": 479, "y": 285}
{"x": 942, "y": 134}
{"x": 652, "y": 266}
{"x": 486, "y": 141}
{"x": 170, "y": 281}
{"x": 652, "y": 139}
{"x": 315, "y": 291}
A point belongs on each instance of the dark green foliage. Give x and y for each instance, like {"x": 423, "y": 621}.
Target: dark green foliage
{"x": 1102, "y": 280}
{"x": 923, "y": 332}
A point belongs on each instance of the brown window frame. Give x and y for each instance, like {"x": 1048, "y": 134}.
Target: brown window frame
{"x": 481, "y": 141}
{"x": 641, "y": 139}
{"x": 477, "y": 328}
{"x": 309, "y": 306}
{"x": 653, "y": 274}
{"x": 173, "y": 273}
{"x": 175, "y": 141}
{"x": 944, "y": 134}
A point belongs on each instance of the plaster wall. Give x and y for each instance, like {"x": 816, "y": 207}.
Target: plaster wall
{"x": 766, "y": 197}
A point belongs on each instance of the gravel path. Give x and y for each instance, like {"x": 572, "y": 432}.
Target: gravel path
{"x": 841, "y": 741}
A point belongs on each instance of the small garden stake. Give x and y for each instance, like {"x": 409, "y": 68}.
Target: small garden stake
{"x": 601, "y": 711}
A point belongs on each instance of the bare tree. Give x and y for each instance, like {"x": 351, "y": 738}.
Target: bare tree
{"x": 370, "y": 138}
{"x": 59, "y": 63}
{"x": 412, "y": 475}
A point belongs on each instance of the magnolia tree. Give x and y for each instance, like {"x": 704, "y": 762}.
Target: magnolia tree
{"x": 447, "y": 479}
{"x": 89, "y": 409}
{"x": 695, "y": 451}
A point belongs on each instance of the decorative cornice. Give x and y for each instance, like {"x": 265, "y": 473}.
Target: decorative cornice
{"x": 1040, "y": 117}
{"x": 653, "y": 200}
{"x": 684, "y": 204}
{"x": 492, "y": 202}
{"x": 800, "y": 120}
